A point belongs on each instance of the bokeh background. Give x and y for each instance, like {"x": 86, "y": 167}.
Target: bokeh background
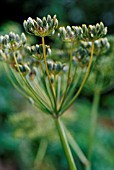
{"x": 25, "y": 134}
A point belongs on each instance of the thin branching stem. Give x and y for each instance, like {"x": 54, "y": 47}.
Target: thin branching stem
{"x": 58, "y": 88}
{"x": 40, "y": 154}
{"x": 47, "y": 91}
{"x": 74, "y": 83}
{"x": 14, "y": 84}
{"x": 93, "y": 122}
{"x": 68, "y": 82}
{"x": 84, "y": 80}
{"x": 24, "y": 91}
{"x": 76, "y": 147}
{"x": 33, "y": 93}
{"x": 48, "y": 75}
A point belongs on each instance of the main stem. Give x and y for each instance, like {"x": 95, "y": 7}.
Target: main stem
{"x": 94, "y": 114}
{"x": 65, "y": 144}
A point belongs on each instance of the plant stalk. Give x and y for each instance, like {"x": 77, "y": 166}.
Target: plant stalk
{"x": 68, "y": 82}
{"x": 65, "y": 144}
{"x": 48, "y": 75}
{"x": 40, "y": 154}
{"x": 76, "y": 148}
{"x": 84, "y": 80}
{"x": 94, "y": 114}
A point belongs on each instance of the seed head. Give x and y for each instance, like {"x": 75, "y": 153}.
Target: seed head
{"x": 66, "y": 34}
{"x": 12, "y": 42}
{"x": 36, "y": 51}
{"x": 90, "y": 33}
{"x": 42, "y": 28}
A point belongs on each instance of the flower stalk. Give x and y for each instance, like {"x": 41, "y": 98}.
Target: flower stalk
{"x": 65, "y": 144}
{"x": 47, "y": 71}
{"x": 93, "y": 122}
{"x": 68, "y": 82}
{"x": 83, "y": 82}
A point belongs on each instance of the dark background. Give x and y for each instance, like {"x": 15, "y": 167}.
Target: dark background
{"x": 67, "y": 11}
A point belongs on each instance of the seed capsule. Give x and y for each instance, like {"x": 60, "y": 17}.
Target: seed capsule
{"x": 50, "y": 65}
{"x": 23, "y": 38}
{"x": 39, "y": 21}
{"x": 17, "y": 38}
{"x": 68, "y": 29}
{"x": 12, "y": 36}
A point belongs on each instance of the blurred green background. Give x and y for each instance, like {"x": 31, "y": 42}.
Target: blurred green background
{"x": 25, "y": 134}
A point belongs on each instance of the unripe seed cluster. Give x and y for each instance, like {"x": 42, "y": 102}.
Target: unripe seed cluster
{"x": 90, "y": 33}
{"x": 12, "y": 42}
{"x": 36, "y": 51}
{"x": 55, "y": 67}
{"x": 81, "y": 56}
{"x": 42, "y": 28}
{"x": 101, "y": 46}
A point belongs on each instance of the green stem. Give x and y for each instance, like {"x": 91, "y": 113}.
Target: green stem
{"x": 68, "y": 82}
{"x": 47, "y": 91}
{"x": 94, "y": 114}
{"x": 58, "y": 89}
{"x": 76, "y": 147}
{"x": 71, "y": 90}
{"x": 65, "y": 144}
{"x": 30, "y": 89}
{"x": 48, "y": 75}
{"x": 40, "y": 154}
{"x": 84, "y": 80}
